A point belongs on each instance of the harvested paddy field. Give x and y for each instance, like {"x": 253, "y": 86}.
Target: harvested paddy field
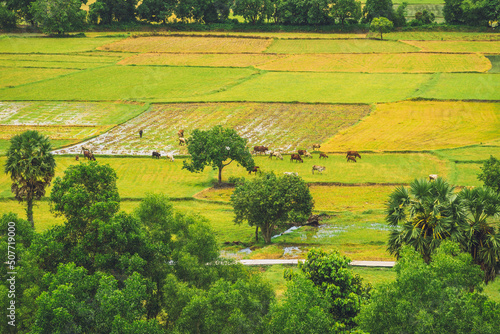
{"x": 421, "y": 125}
{"x": 56, "y": 61}
{"x": 189, "y": 44}
{"x": 439, "y": 36}
{"x": 289, "y": 126}
{"x": 339, "y": 46}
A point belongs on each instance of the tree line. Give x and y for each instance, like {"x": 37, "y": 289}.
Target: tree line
{"x": 63, "y": 16}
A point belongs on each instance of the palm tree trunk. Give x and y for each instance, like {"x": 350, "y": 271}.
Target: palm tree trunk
{"x": 29, "y": 211}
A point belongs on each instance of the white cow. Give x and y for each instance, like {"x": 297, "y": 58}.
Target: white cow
{"x": 291, "y": 173}
{"x": 318, "y": 168}
{"x": 433, "y": 177}
{"x": 170, "y": 156}
{"x": 276, "y": 154}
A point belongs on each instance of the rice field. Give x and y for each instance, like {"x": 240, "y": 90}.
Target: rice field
{"x": 457, "y": 46}
{"x": 56, "y": 61}
{"x": 189, "y": 44}
{"x": 461, "y": 86}
{"x": 339, "y": 46}
{"x": 52, "y": 45}
{"x": 381, "y": 63}
{"x": 132, "y": 83}
{"x": 421, "y": 125}
{"x": 439, "y": 36}
{"x": 286, "y": 126}
{"x": 12, "y": 76}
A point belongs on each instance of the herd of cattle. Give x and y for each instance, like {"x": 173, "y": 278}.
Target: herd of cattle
{"x": 350, "y": 156}
{"x": 297, "y": 157}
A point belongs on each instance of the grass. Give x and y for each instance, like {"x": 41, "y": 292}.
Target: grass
{"x": 188, "y": 44}
{"x": 495, "y": 64}
{"x": 477, "y": 153}
{"x": 5, "y": 144}
{"x": 421, "y": 126}
{"x": 130, "y": 83}
{"x": 74, "y": 134}
{"x": 381, "y": 63}
{"x": 281, "y": 125}
{"x": 10, "y": 77}
{"x": 323, "y": 87}
{"x": 457, "y": 46}
{"x": 462, "y": 86}
{"x": 52, "y": 45}
{"x": 338, "y": 46}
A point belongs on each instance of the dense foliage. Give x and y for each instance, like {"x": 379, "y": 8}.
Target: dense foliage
{"x": 471, "y": 12}
{"x": 270, "y": 202}
{"x": 441, "y": 297}
{"x": 490, "y": 174}
{"x": 58, "y": 16}
{"x": 429, "y": 212}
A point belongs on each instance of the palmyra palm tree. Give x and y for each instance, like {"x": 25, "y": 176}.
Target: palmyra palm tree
{"x": 31, "y": 167}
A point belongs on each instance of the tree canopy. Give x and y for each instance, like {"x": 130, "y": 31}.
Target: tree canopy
{"x": 381, "y": 25}
{"x": 217, "y": 147}
{"x": 58, "y": 16}
{"x": 269, "y": 202}
{"x": 490, "y": 174}
{"x": 31, "y": 167}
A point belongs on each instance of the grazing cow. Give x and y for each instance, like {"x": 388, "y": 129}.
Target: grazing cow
{"x": 170, "y": 156}
{"x": 180, "y": 133}
{"x": 260, "y": 149}
{"x": 353, "y": 154}
{"x": 317, "y": 168}
{"x": 323, "y": 155}
{"x": 302, "y": 152}
{"x": 156, "y": 155}
{"x": 89, "y": 155}
{"x": 86, "y": 148}
{"x": 316, "y": 146}
{"x": 276, "y": 154}
{"x": 182, "y": 141}
{"x": 351, "y": 158}
{"x": 291, "y": 173}
{"x": 296, "y": 157}
{"x": 140, "y": 133}
{"x": 255, "y": 169}
{"x": 77, "y": 158}
{"x": 308, "y": 155}
{"x": 433, "y": 177}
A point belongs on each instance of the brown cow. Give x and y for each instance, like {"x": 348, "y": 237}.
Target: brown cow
{"x": 89, "y": 155}
{"x": 323, "y": 155}
{"x": 180, "y": 133}
{"x": 296, "y": 157}
{"x": 182, "y": 141}
{"x": 77, "y": 158}
{"x": 140, "y": 133}
{"x": 255, "y": 169}
{"x": 353, "y": 154}
{"x": 316, "y": 146}
{"x": 260, "y": 149}
{"x": 351, "y": 158}
{"x": 302, "y": 152}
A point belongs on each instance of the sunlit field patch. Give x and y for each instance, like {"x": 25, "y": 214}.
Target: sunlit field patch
{"x": 198, "y": 59}
{"x": 439, "y": 35}
{"x": 10, "y": 77}
{"x": 421, "y": 126}
{"x": 131, "y": 83}
{"x": 380, "y": 63}
{"x": 324, "y": 87}
{"x": 287, "y": 126}
{"x": 277, "y": 35}
{"x": 189, "y": 44}
{"x": 457, "y": 46}
{"x": 55, "y": 61}
{"x": 462, "y": 86}
{"x": 52, "y": 45}
{"x": 469, "y": 154}
{"x": 338, "y": 46}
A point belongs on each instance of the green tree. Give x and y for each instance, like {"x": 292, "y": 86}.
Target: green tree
{"x": 7, "y": 17}
{"x": 253, "y": 11}
{"x": 331, "y": 275}
{"x": 490, "y": 174}
{"x": 432, "y": 298}
{"x": 378, "y": 8}
{"x": 217, "y": 147}
{"x": 482, "y": 239}
{"x": 156, "y": 10}
{"x": 349, "y": 10}
{"x": 31, "y": 167}
{"x": 270, "y": 202}
{"x": 424, "y": 215}
{"x": 21, "y": 8}
{"x": 303, "y": 310}
{"x": 58, "y": 16}
{"x": 86, "y": 192}
{"x": 381, "y": 25}
{"x": 109, "y": 11}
